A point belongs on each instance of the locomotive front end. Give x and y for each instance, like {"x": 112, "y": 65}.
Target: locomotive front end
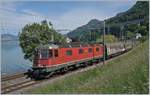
{"x": 42, "y": 60}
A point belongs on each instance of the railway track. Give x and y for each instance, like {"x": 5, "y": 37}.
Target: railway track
{"x": 26, "y": 83}
{"x": 13, "y": 82}
{"x": 16, "y": 86}
{"x": 12, "y": 77}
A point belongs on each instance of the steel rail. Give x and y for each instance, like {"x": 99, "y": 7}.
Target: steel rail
{"x": 15, "y": 76}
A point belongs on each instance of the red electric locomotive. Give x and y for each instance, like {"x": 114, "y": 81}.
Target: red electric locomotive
{"x": 49, "y": 59}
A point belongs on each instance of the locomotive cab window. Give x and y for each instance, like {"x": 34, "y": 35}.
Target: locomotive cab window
{"x": 44, "y": 54}
{"x": 36, "y": 54}
{"x": 80, "y": 51}
{"x": 97, "y": 49}
{"x": 56, "y": 53}
{"x": 69, "y": 52}
{"x": 90, "y": 50}
{"x": 50, "y": 53}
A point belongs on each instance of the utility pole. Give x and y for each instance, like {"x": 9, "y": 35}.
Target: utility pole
{"x": 104, "y": 44}
{"x": 103, "y": 40}
{"x": 52, "y": 37}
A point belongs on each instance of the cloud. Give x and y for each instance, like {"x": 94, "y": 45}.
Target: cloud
{"x": 12, "y": 21}
{"x": 15, "y": 20}
{"x": 7, "y": 5}
{"x": 80, "y": 16}
{"x": 75, "y": 18}
{"x": 68, "y": 20}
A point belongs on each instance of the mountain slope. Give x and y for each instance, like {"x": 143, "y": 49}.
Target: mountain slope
{"x": 139, "y": 11}
{"x": 83, "y": 30}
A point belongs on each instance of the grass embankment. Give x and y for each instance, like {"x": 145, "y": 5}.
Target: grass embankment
{"x": 126, "y": 74}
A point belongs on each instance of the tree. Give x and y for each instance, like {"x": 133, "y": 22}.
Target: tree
{"x": 34, "y": 35}
{"x": 142, "y": 30}
{"x": 108, "y": 39}
{"x": 130, "y": 34}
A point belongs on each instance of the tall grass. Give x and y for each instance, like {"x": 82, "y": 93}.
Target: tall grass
{"x": 126, "y": 74}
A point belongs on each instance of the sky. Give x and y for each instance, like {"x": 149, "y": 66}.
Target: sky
{"x": 62, "y": 14}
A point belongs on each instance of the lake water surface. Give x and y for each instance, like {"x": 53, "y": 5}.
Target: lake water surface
{"x": 12, "y": 60}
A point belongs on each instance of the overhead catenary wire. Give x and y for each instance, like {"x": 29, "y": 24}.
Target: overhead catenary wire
{"x": 7, "y": 24}
{"x": 25, "y": 13}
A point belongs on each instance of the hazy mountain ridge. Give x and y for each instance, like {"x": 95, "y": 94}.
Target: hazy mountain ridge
{"x": 6, "y": 37}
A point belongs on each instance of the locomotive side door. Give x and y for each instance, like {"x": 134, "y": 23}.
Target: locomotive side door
{"x": 93, "y": 52}
{"x": 55, "y": 57}
{"x": 51, "y": 54}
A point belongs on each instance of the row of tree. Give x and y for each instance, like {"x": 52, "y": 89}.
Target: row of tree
{"x": 132, "y": 29}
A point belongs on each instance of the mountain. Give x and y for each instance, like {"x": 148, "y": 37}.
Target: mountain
{"x": 85, "y": 29}
{"x": 139, "y": 11}
{"x": 8, "y": 37}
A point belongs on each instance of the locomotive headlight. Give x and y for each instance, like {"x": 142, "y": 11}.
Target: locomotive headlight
{"x": 50, "y": 47}
{"x": 123, "y": 49}
{"x": 39, "y": 65}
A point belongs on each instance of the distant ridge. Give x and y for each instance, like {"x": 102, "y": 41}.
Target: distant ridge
{"x": 8, "y": 37}
{"x": 94, "y": 23}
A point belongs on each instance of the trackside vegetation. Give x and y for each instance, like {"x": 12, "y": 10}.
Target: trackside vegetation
{"x": 125, "y": 74}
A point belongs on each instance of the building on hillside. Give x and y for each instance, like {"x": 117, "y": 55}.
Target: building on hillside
{"x": 138, "y": 35}
{"x": 68, "y": 40}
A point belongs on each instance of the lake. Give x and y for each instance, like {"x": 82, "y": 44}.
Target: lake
{"x": 12, "y": 60}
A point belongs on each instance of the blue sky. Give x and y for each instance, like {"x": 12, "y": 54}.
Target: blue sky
{"x": 58, "y": 8}
{"x": 62, "y": 14}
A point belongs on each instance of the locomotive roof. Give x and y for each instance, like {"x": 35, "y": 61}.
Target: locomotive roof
{"x": 48, "y": 46}
{"x": 77, "y": 44}
{"x": 51, "y": 46}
